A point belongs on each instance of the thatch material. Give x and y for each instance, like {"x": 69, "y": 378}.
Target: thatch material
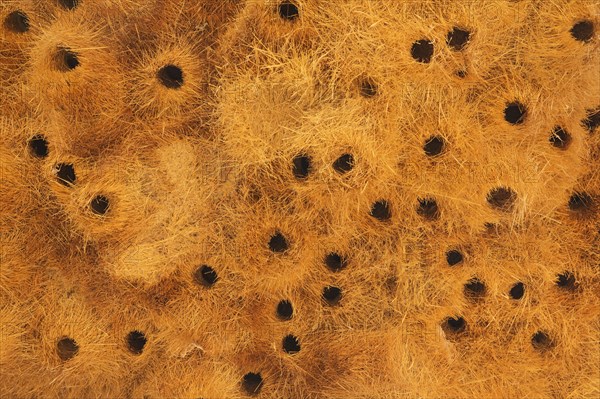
{"x": 300, "y": 199}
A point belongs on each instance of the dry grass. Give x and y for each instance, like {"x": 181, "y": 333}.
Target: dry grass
{"x": 317, "y": 199}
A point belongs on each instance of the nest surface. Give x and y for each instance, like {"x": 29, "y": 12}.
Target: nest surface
{"x": 300, "y": 199}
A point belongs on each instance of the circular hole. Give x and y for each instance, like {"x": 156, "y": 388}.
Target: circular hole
{"x": 65, "y": 172}
{"x": 541, "y": 341}
{"x": 71, "y": 60}
{"x": 581, "y": 202}
{"x": 65, "y": 60}
{"x": 99, "y": 205}
{"x": 335, "y": 262}
{"x": 566, "y": 281}
{"x": 502, "y": 198}
{"x": 428, "y": 208}
{"x": 66, "y": 348}
{"x": 434, "y": 146}
{"x": 301, "y": 166}
{"x": 461, "y": 73}
{"x": 252, "y": 383}
{"x": 515, "y": 113}
{"x": 206, "y": 276}
{"x": 517, "y": 291}
{"x": 380, "y": 210}
{"x": 454, "y": 325}
{"x": 592, "y": 120}
{"x": 170, "y": 76}
{"x": 288, "y": 10}
{"x": 291, "y": 344}
{"x": 69, "y": 4}
{"x": 332, "y": 295}
{"x": 17, "y": 22}
{"x": 285, "y": 310}
{"x": 458, "y": 38}
{"x": 454, "y": 257}
{"x": 38, "y": 146}
{"x": 368, "y": 88}
{"x": 560, "y": 138}
{"x": 344, "y": 164}
{"x": 278, "y": 243}
{"x": 136, "y": 341}
{"x": 583, "y": 31}
{"x": 474, "y": 288}
{"x": 422, "y": 50}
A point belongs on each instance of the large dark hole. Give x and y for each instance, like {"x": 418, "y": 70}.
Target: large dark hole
{"x": 541, "y": 341}
{"x": 566, "y": 281}
{"x": 136, "y": 341}
{"x": 170, "y": 76}
{"x": 206, "y": 276}
{"x": 502, "y": 198}
{"x": 474, "y": 289}
{"x": 291, "y": 344}
{"x": 99, "y": 205}
{"x": 335, "y": 262}
{"x": 428, "y": 208}
{"x": 454, "y": 257}
{"x": 581, "y": 202}
{"x": 69, "y": 4}
{"x": 434, "y": 146}
{"x": 301, "y": 166}
{"x": 368, "y": 88}
{"x": 422, "y": 50}
{"x": 458, "y": 38}
{"x": 71, "y": 60}
{"x": 288, "y": 10}
{"x": 285, "y": 310}
{"x": 17, "y": 22}
{"x": 252, "y": 383}
{"x": 344, "y": 164}
{"x": 454, "y": 325}
{"x": 65, "y": 60}
{"x": 583, "y": 31}
{"x": 592, "y": 120}
{"x": 278, "y": 243}
{"x": 515, "y": 113}
{"x": 66, "y": 348}
{"x": 560, "y": 138}
{"x": 332, "y": 295}
{"x": 380, "y": 210}
{"x": 38, "y": 146}
{"x": 65, "y": 172}
{"x": 517, "y": 291}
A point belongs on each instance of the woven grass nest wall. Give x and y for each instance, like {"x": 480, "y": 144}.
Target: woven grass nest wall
{"x": 334, "y": 199}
